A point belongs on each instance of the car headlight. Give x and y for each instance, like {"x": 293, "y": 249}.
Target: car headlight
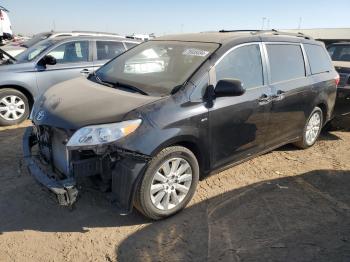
{"x": 103, "y": 134}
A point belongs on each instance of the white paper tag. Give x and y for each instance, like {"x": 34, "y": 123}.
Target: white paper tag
{"x": 195, "y": 52}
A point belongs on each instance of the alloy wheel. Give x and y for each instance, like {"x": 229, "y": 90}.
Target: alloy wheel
{"x": 171, "y": 183}
{"x": 12, "y": 107}
{"x": 313, "y": 128}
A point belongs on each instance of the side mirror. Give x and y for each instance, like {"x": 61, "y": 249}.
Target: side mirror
{"x": 229, "y": 87}
{"x": 48, "y": 60}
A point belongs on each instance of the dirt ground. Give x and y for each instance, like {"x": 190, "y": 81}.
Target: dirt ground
{"x": 287, "y": 205}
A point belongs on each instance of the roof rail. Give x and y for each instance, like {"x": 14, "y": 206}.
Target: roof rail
{"x": 94, "y": 32}
{"x": 272, "y": 31}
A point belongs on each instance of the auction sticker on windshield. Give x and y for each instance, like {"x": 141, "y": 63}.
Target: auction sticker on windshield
{"x": 195, "y": 52}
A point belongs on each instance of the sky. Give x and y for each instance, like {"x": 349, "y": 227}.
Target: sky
{"x": 176, "y": 16}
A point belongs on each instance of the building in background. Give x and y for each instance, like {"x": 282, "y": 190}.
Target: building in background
{"x": 326, "y": 35}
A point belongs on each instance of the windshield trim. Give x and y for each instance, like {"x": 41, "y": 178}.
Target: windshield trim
{"x": 182, "y": 85}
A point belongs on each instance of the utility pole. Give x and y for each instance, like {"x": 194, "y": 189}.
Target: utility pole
{"x": 300, "y": 21}
{"x": 263, "y": 23}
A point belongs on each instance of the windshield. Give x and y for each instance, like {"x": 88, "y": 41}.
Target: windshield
{"x": 340, "y": 52}
{"x": 34, "y": 51}
{"x": 36, "y": 39}
{"x": 156, "y": 67}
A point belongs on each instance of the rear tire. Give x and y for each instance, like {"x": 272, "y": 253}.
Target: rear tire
{"x": 14, "y": 107}
{"x": 169, "y": 183}
{"x": 312, "y": 129}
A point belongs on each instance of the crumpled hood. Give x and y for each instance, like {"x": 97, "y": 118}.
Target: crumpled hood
{"x": 81, "y": 102}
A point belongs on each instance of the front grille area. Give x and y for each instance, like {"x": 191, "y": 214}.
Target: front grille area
{"x": 52, "y": 147}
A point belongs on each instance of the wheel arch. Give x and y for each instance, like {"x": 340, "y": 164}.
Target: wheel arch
{"x": 324, "y": 108}
{"x": 192, "y": 144}
{"x": 23, "y": 90}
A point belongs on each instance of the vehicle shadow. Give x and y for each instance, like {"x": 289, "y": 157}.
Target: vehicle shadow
{"x": 303, "y": 218}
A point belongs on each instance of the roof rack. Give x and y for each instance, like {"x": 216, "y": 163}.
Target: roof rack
{"x": 94, "y": 32}
{"x": 272, "y": 31}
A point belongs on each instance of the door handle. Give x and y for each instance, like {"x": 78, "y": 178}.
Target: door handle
{"x": 264, "y": 99}
{"x": 85, "y": 72}
{"x": 280, "y": 95}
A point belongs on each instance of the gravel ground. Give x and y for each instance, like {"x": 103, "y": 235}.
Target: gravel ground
{"x": 287, "y": 205}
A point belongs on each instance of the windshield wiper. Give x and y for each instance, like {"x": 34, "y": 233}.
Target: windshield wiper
{"x": 133, "y": 88}
{"x": 118, "y": 84}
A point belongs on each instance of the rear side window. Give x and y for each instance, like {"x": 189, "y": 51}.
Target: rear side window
{"x": 318, "y": 59}
{"x": 286, "y": 62}
{"x": 243, "y": 63}
{"x": 107, "y": 50}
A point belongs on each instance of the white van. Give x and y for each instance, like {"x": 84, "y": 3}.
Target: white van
{"x": 5, "y": 25}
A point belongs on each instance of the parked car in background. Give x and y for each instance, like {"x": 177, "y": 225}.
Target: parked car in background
{"x": 201, "y": 102}
{"x": 15, "y": 48}
{"x": 141, "y": 37}
{"x": 340, "y": 54}
{"x": 5, "y": 25}
{"x": 24, "y": 78}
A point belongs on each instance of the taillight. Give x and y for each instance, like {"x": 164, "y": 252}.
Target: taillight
{"x": 1, "y": 15}
{"x": 337, "y": 80}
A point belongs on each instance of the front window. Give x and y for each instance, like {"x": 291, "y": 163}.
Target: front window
{"x": 71, "y": 52}
{"x": 156, "y": 67}
{"x": 244, "y": 64}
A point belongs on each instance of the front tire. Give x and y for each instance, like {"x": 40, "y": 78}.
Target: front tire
{"x": 312, "y": 129}
{"x": 14, "y": 107}
{"x": 168, "y": 184}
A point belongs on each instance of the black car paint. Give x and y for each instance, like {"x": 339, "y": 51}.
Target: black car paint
{"x": 227, "y": 130}
{"x": 342, "y": 105}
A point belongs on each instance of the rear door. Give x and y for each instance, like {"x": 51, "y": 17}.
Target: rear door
{"x": 105, "y": 50}
{"x": 74, "y": 59}
{"x": 238, "y": 125}
{"x": 292, "y": 97}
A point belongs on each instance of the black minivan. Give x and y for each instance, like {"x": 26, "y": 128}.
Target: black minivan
{"x": 157, "y": 118}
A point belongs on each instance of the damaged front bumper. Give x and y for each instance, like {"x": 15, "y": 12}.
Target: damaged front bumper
{"x": 120, "y": 169}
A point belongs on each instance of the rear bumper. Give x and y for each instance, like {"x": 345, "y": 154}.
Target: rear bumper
{"x": 65, "y": 190}
{"x": 123, "y": 173}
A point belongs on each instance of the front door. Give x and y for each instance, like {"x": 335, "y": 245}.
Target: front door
{"x": 73, "y": 60}
{"x": 238, "y": 125}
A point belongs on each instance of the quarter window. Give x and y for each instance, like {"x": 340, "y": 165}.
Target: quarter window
{"x": 107, "y": 50}
{"x": 319, "y": 59}
{"x": 72, "y": 52}
{"x": 243, "y": 63}
{"x": 286, "y": 62}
